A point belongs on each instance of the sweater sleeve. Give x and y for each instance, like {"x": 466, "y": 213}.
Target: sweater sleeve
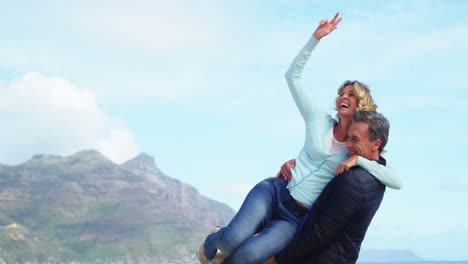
{"x": 302, "y": 97}
{"x": 327, "y": 222}
{"x": 384, "y": 174}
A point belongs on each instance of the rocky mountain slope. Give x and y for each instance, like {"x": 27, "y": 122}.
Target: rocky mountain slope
{"x": 84, "y": 207}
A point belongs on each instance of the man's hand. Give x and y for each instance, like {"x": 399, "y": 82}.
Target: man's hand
{"x": 286, "y": 169}
{"x": 347, "y": 164}
{"x": 325, "y": 27}
{"x": 271, "y": 260}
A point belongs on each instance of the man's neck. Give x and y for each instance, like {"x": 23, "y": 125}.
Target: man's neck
{"x": 373, "y": 156}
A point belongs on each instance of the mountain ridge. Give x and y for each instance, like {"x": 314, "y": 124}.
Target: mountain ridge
{"x": 388, "y": 255}
{"x": 84, "y": 207}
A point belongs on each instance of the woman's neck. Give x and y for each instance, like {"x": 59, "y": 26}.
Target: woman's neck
{"x": 340, "y": 131}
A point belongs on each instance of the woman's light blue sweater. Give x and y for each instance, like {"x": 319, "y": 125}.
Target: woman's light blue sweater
{"x": 314, "y": 169}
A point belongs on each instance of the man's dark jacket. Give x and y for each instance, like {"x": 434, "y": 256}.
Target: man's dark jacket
{"x": 336, "y": 225}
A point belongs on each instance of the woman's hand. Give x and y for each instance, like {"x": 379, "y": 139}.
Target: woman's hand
{"x": 347, "y": 164}
{"x": 325, "y": 27}
{"x": 286, "y": 169}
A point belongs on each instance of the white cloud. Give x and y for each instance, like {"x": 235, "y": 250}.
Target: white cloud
{"x": 51, "y": 115}
{"x": 156, "y": 25}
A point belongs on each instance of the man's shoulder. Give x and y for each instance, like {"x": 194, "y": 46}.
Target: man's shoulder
{"x": 357, "y": 182}
{"x": 356, "y": 171}
{"x": 356, "y": 174}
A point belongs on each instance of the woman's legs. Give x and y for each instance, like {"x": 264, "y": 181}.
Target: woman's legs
{"x": 255, "y": 212}
{"x": 274, "y": 237}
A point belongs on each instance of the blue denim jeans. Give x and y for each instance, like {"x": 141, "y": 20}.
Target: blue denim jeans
{"x": 263, "y": 226}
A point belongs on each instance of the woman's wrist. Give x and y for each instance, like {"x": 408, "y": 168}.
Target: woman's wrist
{"x": 317, "y": 36}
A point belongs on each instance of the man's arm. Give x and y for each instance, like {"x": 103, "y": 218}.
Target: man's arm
{"x": 383, "y": 173}
{"x": 328, "y": 218}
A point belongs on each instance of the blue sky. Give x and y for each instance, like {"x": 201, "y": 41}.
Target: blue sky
{"x": 199, "y": 85}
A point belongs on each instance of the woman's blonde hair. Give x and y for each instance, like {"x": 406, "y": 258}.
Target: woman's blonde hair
{"x": 362, "y": 92}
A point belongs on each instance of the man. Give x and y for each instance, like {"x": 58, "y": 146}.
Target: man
{"x": 336, "y": 225}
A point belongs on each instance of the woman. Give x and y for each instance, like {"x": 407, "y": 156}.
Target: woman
{"x": 273, "y": 209}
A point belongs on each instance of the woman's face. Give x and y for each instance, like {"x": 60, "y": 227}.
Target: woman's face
{"x": 346, "y": 102}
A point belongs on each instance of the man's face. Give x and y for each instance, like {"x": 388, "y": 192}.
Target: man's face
{"x": 358, "y": 141}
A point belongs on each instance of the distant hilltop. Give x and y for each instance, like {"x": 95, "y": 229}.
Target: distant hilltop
{"x": 390, "y": 255}
{"x": 84, "y": 207}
